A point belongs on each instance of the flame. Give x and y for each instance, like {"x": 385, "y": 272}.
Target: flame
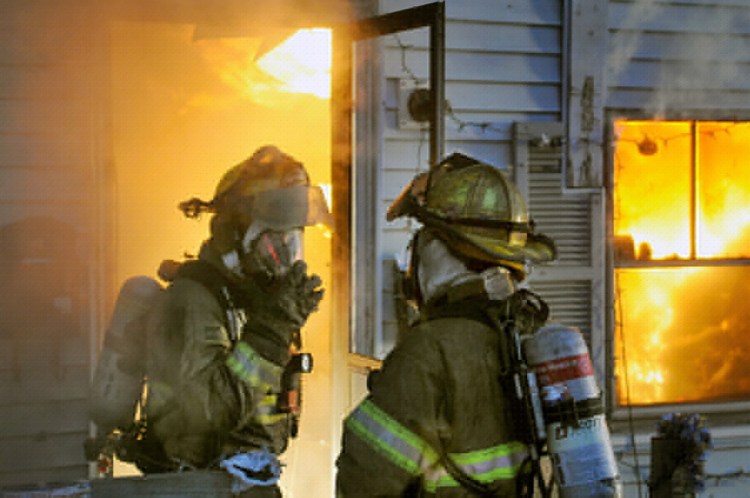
{"x": 327, "y": 195}
{"x": 302, "y": 62}
{"x": 681, "y": 193}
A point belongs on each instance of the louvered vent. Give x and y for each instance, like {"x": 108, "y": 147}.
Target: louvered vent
{"x": 565, "y": 218}
{"x": 569, "y": 304}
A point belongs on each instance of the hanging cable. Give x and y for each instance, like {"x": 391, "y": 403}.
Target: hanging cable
{"x": 404, "y": 66}
{"x": 461, "y": 124}
{"x": 623, "y": 354}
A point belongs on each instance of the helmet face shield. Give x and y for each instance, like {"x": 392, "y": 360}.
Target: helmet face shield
{"x": 289, "y": 208}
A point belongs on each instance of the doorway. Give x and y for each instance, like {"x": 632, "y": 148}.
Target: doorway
{"x": 185, "y": 108}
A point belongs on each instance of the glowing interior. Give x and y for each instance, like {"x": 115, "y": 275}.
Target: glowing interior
{"x": 682, "y": 227}
{"x": 187, "y": 110}
{"x": 302, "y": 62}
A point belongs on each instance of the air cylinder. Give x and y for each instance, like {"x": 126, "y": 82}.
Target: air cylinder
{"x": 118, "y": 378}
{"x": 578, "y": 437}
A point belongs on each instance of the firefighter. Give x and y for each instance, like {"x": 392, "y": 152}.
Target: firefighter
{"x": 441, "y": 417}
{"x": 219, "y": 341}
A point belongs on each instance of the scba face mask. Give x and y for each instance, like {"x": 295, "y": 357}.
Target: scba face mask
{"x": 273, "y": 252}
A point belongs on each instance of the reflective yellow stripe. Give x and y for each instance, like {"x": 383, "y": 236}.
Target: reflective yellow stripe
{"x": 266, "y": 412}
{"x": 411, "y": 453}
{"x": 397, "y": 443}
{"x": 253, "y": 369}
{"x": 271, "y": 419}
{"x": 486, "y": 465}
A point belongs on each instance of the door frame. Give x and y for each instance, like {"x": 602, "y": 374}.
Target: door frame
{"x": 343, "y": 153}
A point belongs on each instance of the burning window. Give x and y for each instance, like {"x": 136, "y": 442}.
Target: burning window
{"x": 682, "y": 261}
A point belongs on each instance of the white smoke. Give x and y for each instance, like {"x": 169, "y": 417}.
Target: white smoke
{"x": 696, "y": 52}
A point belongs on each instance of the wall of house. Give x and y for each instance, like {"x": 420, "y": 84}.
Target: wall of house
{"x": 564, "y": 69}
{"x": 669, "y": 57}
{"x": 51, "y": 169}
{"x": 689, "y": 59}
{"x": 503, "y": 64}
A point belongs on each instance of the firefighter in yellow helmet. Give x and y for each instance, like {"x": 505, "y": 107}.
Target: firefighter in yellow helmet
{"x": 220, "y": 342}
{"x": 441, "y": 418}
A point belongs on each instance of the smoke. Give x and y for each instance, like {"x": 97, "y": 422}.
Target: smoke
{"x": 686, "y": 54}
{"x": 622, "y": 52}
{"x": 235, "y": 14}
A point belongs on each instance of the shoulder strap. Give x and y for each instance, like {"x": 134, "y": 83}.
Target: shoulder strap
{"x": 524, "y": 309}
{"x": 527, "y": 311}
{"x": 227, "y": 293}
{"x": 212, "y": 279}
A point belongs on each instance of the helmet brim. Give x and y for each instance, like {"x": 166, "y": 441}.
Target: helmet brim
{"x": 409, "y": 200}
{"x": 537, "y": 248}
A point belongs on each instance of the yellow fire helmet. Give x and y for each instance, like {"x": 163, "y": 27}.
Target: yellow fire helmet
{"x": 270, "y": 187}
{"x": 477, "y": 211}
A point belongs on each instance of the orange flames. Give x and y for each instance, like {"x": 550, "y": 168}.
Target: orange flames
{"x": 300, "y": 64}
{"x": 682, "y": 211}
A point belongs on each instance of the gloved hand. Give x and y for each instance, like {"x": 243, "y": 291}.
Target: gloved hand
{"x": 277, "y": 313}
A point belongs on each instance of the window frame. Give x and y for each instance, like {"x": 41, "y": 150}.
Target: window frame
{"x": 722, "y": 412}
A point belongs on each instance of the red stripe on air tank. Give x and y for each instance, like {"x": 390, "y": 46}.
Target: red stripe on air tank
{"x": 564, "y": 369}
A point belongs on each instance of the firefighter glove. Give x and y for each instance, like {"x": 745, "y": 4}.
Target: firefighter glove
{"x": 276, "y": 314}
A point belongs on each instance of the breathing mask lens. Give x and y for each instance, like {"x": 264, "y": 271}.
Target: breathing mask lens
{"x": 274, "y": 252}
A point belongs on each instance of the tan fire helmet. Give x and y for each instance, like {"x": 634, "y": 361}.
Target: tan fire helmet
{"x": 479, "y": 213}
{"x": 271, "y": 189}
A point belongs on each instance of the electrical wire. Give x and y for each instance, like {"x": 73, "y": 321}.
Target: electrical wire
{"x": 623, "y": 354}
{"x": 404, "y": 66}
{"x": 461, "y": 124}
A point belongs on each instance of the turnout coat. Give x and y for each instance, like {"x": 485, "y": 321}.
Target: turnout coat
{"x": 443, "y": 390}
{"x": 210, "y": 395}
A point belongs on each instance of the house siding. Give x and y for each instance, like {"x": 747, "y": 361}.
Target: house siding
{"x": 680, "y": 59}
{"x": 506, "y": 64}
{"x": 502, "y": 65}
{"x": 50, "y": 150}
{"x": 674, "y": 57}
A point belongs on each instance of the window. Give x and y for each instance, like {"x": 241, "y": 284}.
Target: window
{"x": 682, "y": 261}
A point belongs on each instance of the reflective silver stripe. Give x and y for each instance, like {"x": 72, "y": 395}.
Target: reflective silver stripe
{"x": 486, "y": 465}
{"x": 389, "y": 437}
{"x": 254, "y": 369}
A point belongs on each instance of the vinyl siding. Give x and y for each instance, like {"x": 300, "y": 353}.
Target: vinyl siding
{"x": 50, "y": 82}
{"x": 676, "y": 56}
{"x": 691, "y": 59}
{"x": 502, "y": 65}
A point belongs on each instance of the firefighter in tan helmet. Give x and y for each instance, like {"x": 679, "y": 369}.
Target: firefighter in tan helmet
{"x": 441, "y": 417}
{"x": 220, "y": 343}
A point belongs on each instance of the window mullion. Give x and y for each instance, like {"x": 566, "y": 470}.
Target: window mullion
{"x": 693, "y": 189}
